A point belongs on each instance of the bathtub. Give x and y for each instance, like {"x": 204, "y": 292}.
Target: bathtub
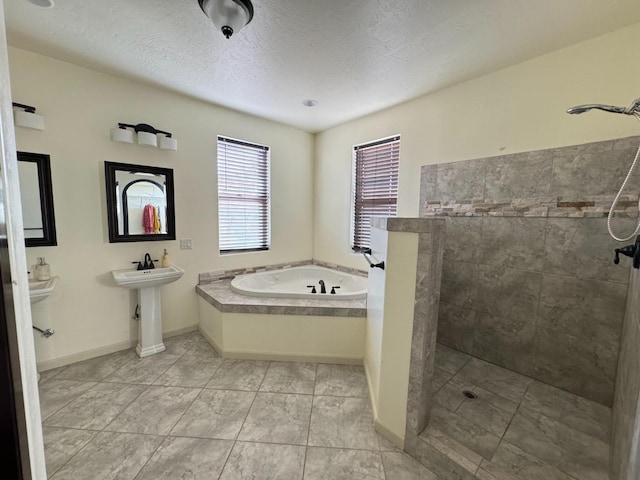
{"x": 292, "y": 283}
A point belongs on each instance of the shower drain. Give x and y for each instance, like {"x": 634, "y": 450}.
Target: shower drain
{"x": 470, "y": 394}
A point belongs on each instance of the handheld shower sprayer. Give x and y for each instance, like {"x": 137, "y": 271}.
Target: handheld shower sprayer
{"x": 633, "y": 109}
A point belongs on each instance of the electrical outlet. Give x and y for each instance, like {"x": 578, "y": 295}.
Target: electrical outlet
{"x": 185, "y": 244}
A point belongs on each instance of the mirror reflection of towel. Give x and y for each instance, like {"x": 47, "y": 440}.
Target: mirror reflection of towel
{"x": 148, "y": 215}
{"x": 156, "y": 221}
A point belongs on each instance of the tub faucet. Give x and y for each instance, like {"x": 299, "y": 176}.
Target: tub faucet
{"x": 322, "y": 287}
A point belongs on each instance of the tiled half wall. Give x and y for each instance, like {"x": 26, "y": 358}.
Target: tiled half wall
{"x": 528, "y": 279}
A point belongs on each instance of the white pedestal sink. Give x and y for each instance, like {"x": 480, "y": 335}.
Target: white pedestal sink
{"x": 148, "y": 283}
{"x": 41, "y": 289}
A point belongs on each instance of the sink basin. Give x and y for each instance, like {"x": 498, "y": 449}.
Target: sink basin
{"x": 133, "y": 279}
{"x": 41, "y": 289}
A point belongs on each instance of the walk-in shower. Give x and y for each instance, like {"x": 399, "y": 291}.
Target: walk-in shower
{"x": 633, "y": 109}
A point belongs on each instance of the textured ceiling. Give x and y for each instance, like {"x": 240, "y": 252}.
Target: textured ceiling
{"x": 354, "y": 56}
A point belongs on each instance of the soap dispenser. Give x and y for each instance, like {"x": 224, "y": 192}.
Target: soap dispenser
{"x": 166, "y": 262}
{"x": 43, "y": 270}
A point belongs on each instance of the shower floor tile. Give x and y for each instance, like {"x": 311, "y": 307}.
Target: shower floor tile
{"x": 450, "y": 360}
{"x": 512, "y": 463}
{"x": 516, "y": 429}
{"x": 584, "y": 415}
{"x": 503, "y": 382}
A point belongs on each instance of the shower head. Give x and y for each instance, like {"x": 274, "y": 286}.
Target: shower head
{"x": 634, "y": 109}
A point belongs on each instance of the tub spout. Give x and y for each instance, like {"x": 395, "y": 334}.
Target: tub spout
{"x": 323, "y": 289}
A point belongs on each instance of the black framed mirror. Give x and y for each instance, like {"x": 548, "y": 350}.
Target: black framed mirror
{"x": 140, "y": 203}
{"x": 36, "y": 194}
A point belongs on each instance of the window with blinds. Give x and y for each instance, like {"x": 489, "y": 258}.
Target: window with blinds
{"x": 243, "y": 196}
{"x": 375, "y": 186}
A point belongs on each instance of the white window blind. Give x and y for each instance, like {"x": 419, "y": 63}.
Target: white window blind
{"x": 243, "y": 196}
{"x": 375, "y": 186}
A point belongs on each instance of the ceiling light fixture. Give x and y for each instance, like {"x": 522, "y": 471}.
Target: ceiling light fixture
{"x": 228, "y": 16}
{"x": 309, "y": 102}
{"x": 146, "y": 135}
{"x": 26, "y": 116}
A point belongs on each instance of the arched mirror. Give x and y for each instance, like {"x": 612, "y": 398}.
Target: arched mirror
{"x": 140, "y": 203}
{"x": 36, "y": 194}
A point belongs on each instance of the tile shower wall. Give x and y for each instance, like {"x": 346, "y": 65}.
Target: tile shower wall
{"x": 528, "y": 281}
{"x": 625, "y": 450}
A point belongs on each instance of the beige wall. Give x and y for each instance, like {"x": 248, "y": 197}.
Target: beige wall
{"x": 389, "y": 328}
{"x": 80, "y": 106}
{"x": 520, "y": 108}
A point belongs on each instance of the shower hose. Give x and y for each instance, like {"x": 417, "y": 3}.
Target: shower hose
{"x": 615, "y": 201}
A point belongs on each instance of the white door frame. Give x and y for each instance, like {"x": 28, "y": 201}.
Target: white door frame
{"x": 15, "y": 288}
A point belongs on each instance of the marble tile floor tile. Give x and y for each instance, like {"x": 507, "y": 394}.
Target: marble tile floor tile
{"x": 516, "y": 429}
{"x": 290, "y": 377}
{"x": 341, "y": 381}
{"x": 190, "y": 414}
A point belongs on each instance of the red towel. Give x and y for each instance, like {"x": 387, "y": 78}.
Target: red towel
{"x": 147, "y": 218}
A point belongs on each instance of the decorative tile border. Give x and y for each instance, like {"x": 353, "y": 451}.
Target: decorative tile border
{"x": 557, "y": 207}
{"x": 209, "y": 277}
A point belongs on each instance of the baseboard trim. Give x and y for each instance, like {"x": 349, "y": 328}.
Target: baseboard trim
{"x": 212, "y": 341}
{"x": 180, "y": 331}
{"x": 285, "y": 357}
{"x": 104, "y": 350}
{"x": 374, "y": 407}
{"x": 388, "y": 434}
{"x": 85, "y": 355}
{"x": 379, "y": 427}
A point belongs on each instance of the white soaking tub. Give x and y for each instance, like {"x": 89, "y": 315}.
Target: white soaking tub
{"x": 292, "y": 283}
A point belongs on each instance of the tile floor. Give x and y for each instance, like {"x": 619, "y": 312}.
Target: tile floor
{"x": 188, "y": 414}
{"x": 516, "y": 428}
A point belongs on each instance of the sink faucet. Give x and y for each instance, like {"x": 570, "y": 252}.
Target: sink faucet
{"x": 148, "y": 263}
{"x": 322, "y": 287}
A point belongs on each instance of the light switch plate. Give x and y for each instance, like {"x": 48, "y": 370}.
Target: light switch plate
{"x": 185, "y": 244}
